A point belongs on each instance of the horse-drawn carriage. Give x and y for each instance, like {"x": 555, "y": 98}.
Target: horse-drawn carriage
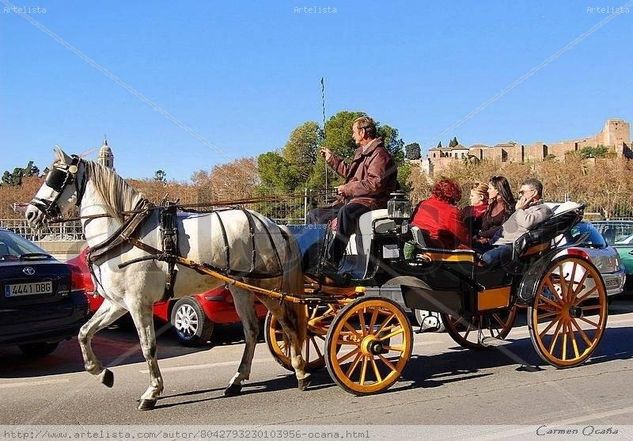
{"x": 364, "y": 340}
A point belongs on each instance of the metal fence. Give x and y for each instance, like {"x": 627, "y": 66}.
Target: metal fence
{"x": 57, "y": 232}
{"x": 282, "y": 209}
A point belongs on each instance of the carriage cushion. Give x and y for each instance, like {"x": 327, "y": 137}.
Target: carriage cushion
{"x": 375, "y": 221}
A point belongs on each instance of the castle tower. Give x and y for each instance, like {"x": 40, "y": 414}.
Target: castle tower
{"x": 106, "y": 158}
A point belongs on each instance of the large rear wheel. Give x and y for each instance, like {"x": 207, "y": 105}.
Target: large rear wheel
{"x": 472, "y": 331}
{"x": 569, "y": 312}
{"x": 368, "y": 345}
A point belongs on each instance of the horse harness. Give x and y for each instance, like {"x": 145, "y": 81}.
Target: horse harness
{"x": 127, "y": 233}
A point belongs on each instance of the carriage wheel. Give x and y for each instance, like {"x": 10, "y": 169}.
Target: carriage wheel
{"x": 469, "y": 332}
{"x": 319, "y": 319}
{"x": 368, "y": 345}
{"x": 569, "y": 312}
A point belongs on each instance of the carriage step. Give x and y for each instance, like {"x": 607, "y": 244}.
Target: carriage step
{"x": 492, "y": 342}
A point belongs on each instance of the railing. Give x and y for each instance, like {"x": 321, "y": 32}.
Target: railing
{"x": 57, "y": 232}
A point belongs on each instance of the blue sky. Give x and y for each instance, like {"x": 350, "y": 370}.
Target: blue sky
{"x": 242, "y": 75}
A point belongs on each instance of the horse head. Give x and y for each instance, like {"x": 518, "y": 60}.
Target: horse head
{"x": 62, "y": 189}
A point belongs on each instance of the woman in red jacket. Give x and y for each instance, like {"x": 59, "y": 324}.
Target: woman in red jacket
{"x": 440, "y": 218}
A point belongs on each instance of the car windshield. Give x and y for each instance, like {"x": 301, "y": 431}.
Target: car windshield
{"x": 585, "y": 235}
{"x": 616, "y": 233}
{"x": 13, "y": 246}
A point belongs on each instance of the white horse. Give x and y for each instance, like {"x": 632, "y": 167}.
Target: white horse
{"x": 249, "y": 242}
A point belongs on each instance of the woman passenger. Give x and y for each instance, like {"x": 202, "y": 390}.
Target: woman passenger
{"x": 501, "y": 204}
{"x": 439, "y": 217}
{"x": 473, "y": 213}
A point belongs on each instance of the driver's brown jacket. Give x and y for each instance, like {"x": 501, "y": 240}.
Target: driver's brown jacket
{"x": 370, "y": 177}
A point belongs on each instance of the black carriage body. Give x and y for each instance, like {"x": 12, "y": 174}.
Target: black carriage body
{"x": 453, "y": 281}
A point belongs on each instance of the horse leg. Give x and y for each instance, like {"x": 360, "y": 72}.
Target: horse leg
{"x": 244, "y": 302}
{"x": 290, "y": 324}
{"x": 144, "y": 323}
{"x": 107, "y": 313}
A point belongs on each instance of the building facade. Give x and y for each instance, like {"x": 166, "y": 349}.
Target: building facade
{"x": 615, "y": 136}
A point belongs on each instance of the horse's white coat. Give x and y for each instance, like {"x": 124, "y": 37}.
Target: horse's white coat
{"x": 136, "y": 287}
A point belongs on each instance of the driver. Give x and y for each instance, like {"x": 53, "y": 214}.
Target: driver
{"x": 369, "y": 179}
{"x": 530, "y": 212}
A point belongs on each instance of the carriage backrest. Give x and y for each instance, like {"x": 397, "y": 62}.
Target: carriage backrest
{"x": 566, "y": 215}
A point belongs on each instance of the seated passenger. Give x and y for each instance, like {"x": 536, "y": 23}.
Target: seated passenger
{"x": 439, "y": 217}
{"x": 472, "y": 214}
{"x": 500, "y": 206}
{"x": 530, "y": 212}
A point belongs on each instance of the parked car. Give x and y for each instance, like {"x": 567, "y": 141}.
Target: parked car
{"x": 193, "y": 317}
{"x": 42, "y": 300}
{"x": 619, "y": 234}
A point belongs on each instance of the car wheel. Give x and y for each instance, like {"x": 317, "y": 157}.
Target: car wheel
{"x": 38, "y": 349}
{"x": 192, "y": 326}
{"x": 429, "y": 321}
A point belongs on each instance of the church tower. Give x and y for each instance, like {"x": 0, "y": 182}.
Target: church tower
{"x": 106, "y": 158}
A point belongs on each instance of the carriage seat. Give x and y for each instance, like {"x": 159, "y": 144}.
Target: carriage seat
{"x": 566, "y": 215}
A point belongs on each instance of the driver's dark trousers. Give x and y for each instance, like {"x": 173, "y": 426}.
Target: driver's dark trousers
{"x": 347, "y": 222}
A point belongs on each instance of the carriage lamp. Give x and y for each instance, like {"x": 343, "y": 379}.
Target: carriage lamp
{"x": 399, "y": 206}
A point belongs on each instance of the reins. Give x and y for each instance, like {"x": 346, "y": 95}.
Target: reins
{"x": 191, "y": 208}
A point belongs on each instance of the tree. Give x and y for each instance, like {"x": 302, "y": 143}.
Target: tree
{"x": 412, "y": 151}
{"x": 15, "y": 178}
{"x": 300, "y": 151}
{"x": 439, "y": 145}
{"x": 453, "y": 142}
{"x": 277, "y": 175}
{"x": 160, "y": 176}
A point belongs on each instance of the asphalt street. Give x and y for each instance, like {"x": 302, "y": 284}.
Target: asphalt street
{"x": 442, "y": 384}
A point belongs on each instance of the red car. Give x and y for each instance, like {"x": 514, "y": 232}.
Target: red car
{"x": 193, "y": 317}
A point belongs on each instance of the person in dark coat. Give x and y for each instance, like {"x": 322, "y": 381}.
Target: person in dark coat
{"x": 369, "y": 179}
{"x": 440, "y": 219}
{"x": 501, "y": 205}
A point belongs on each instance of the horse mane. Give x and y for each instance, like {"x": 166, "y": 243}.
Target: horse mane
{"x": 117, "y": 194}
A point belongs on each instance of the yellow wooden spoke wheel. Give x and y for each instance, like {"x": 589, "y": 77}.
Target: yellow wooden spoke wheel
{"x": 319, "y": 319}
{"x": 368, "y": 345}
{"x": 569, "y": 312}
{"x": 470, "y": 331}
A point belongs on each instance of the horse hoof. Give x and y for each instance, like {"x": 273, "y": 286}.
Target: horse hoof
{"x": 146, "y": 404}
{"x": 233, "y": 390}
{"x": 107, "y": 378}
{"x": 304, "y": 383}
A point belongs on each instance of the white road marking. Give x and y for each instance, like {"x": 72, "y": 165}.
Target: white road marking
{"x": 33, "y": 383}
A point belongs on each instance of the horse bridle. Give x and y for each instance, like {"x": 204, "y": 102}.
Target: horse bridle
{"x": 57, "y": 179}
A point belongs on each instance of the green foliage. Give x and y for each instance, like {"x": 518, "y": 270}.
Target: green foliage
{"x": 14, "y": 178}
{"x": 453, "y": 142}
{"x": 300, "y": 152}
{"x": 594, "y": 152}
{"x": 439, "y": 145}
{"x": 412, "y": 151}
{"x": 404, "y": 173}
{"x": 276, "y": 173}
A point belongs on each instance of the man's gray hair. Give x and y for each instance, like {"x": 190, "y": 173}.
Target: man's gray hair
{"x": 536, "y": 185}
{"x": 367, "y": 123}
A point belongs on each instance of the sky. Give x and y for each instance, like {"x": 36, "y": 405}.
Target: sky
{"x": 183, "y": 86}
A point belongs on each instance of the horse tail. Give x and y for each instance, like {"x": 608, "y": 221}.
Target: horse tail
{"x": 293, "y": 284}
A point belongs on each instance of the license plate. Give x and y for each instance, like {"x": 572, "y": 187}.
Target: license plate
{"x": 613, "y": 283}
{"x": 27, "y": 289}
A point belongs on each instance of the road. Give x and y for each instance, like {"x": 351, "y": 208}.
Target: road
{"x": 442, "y": 384}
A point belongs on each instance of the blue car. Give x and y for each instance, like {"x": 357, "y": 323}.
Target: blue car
{"x": 41, "y": 303}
